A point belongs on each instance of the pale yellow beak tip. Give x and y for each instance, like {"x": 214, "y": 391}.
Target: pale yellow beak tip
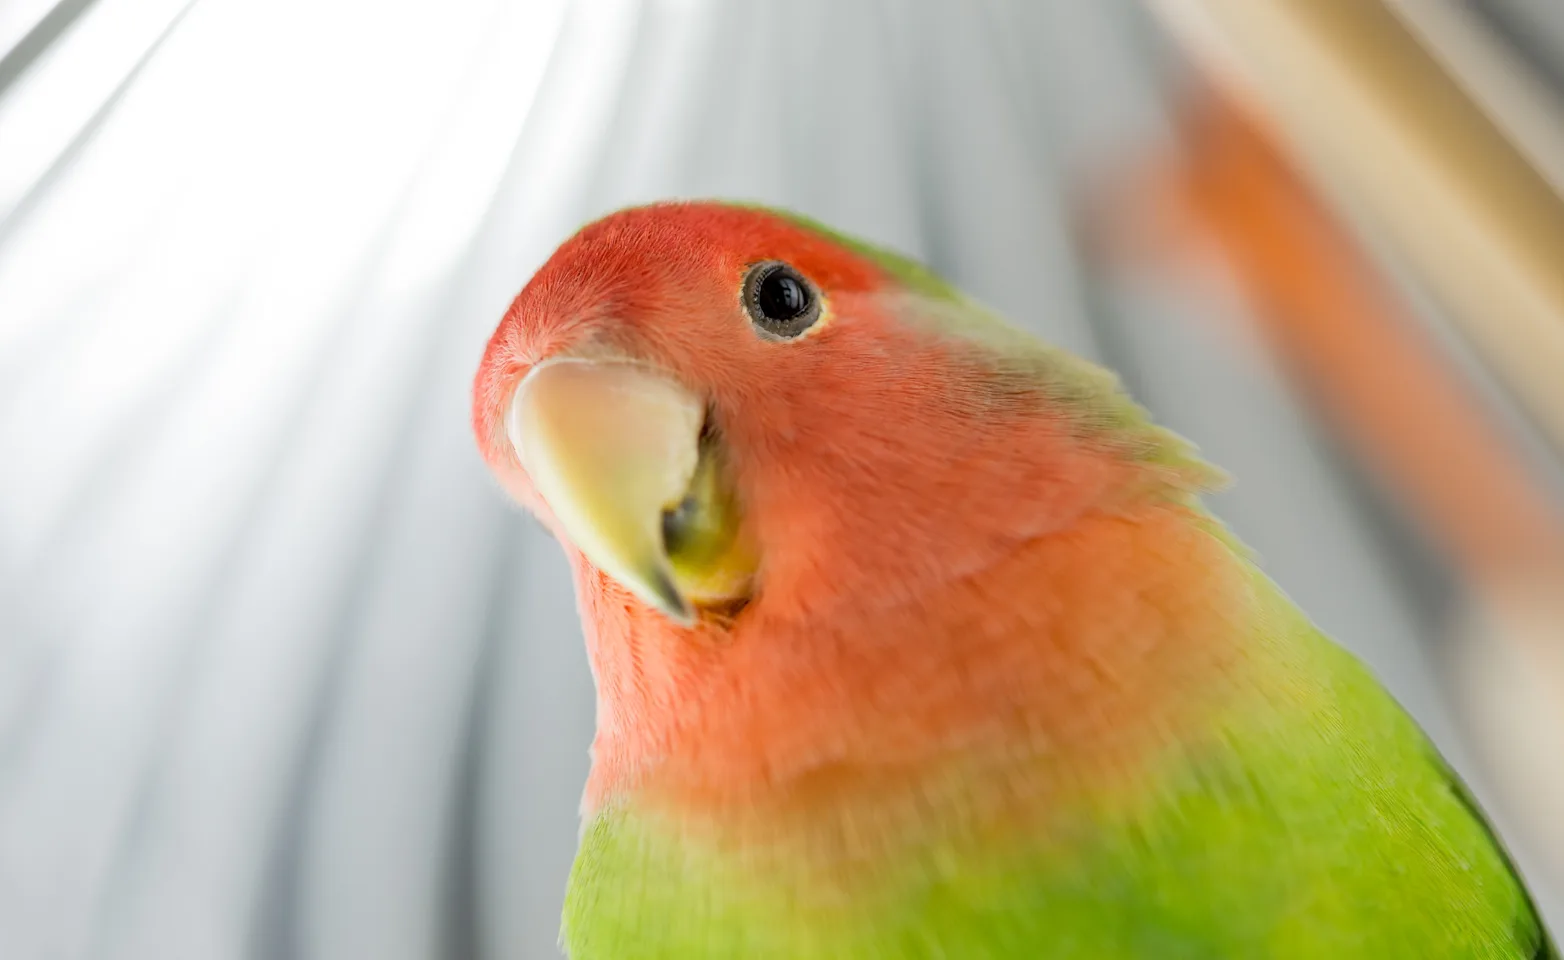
{"x": 610, "y": 445}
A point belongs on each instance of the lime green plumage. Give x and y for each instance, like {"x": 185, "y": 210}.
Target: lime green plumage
{"x": 1315, "y": 821}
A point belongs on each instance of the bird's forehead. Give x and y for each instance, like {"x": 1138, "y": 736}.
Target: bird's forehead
{"x": 712, "y": 240}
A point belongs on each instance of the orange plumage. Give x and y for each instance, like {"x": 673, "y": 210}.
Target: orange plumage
{"x": 846, "y": 577}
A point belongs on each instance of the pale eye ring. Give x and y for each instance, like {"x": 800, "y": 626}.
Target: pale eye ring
{"x": 780, "y": 301}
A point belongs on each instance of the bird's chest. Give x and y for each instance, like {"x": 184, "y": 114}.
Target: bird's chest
{"x": 1213, "y": 862}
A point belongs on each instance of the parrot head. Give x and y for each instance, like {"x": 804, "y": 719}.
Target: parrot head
{"x": 727, "y": 413}
{"x": 774, "y": 455}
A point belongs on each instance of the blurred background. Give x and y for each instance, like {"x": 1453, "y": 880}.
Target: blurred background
{"x": 283, "y": 675}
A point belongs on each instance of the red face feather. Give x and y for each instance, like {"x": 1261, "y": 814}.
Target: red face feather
{"x": 880, "y": 467}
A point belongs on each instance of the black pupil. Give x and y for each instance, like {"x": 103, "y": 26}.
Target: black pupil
{"x": 782, "y": 296}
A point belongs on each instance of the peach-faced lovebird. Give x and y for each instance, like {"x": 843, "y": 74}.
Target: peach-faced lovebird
{"x": 912, "y": 638}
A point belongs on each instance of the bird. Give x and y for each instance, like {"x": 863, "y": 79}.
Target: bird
{"x": 913, "y": 638}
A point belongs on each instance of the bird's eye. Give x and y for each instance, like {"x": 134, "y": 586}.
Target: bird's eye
{"x": 779, "y": 301}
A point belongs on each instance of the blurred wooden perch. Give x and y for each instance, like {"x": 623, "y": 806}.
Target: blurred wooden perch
{"x": 1370, "y": 365}
{"x": 1375, "y": 115}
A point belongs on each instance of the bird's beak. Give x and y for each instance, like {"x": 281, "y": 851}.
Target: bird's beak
{"x": 619, "y": 453}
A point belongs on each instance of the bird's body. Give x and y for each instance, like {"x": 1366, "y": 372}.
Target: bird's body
{"x": 984, "y": 680}
{"x": 1185, "y": 768}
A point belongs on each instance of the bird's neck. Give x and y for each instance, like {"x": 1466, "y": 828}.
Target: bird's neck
{"x": 1082, "y": 650}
